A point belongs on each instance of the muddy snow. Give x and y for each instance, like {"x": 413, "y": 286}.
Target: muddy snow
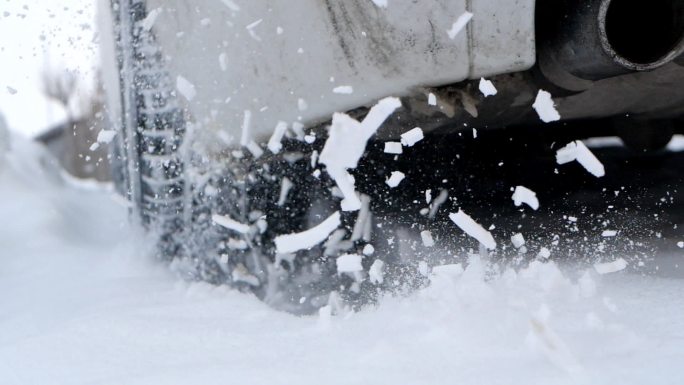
{"x": 83, "y": 303}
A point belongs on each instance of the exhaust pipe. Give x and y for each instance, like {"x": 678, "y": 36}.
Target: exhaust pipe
{"x": 582, "y": 41}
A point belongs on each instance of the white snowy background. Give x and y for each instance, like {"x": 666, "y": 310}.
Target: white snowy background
{"x": 81, "y": 301}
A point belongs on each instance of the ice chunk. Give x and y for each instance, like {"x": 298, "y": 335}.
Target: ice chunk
{"x": 349, "y": 263}
{"x": 610, "y": 267}
{"x": 229, "y": 223}
{"x": 472, "y": 228}
{"x": 345, "y": 90}
{"x": 393, "y": 148}
{"x": 186, "y": 88}
{"x": 231, "y": 5}
{"x": 545, "y": 107}
{"x": 518, "y": 240}
{"x": 608, "y": 233}
{"x": 524, "y": 195}
{"x": 459, "y": 24}
{"x": 395, "y": 178}
{"x": 150, "y": 19}
{"x": 346, "y": 144}
{"x": 578, "y": 151}
{"x": 432, "y": 99}
{"x": 375, "y": 273}
{"x": 274, "y": 144}
{"x": 307, "y": 239}
{"x": 380, "y": 3}
{"x": 285, "y": 187}
{"x": 487, "y": 87}
{"x": 426, "y": 237}
{"x": 411, "y": 137}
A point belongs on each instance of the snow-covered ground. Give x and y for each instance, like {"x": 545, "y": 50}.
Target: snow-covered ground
{"x": 82, "y": 303}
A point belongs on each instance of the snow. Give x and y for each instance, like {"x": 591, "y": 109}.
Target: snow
{"x": 346, "y": 144}
{"x": 472, "y": 228}
{"x": 545, "y": 107}
{"x": 487, "y": 87}
{"x": 376, "y": 273}
{"x": 426, "y": 237}
{"x": 411, "y": 137}
{"x": 578, "y": 151}
{"x": 186, "y": 88}
{"x": 231, "y": 5}
{"x": 524, "y": 195}
{"x": 518, "y": 240}
{"x": 151, "y": 18}
{"x": 432, "y": 99}
{"x": 459, "y": 24}
{"x": 307, "y": 239}
{"x": 393, "y": 148}
{"x": 229, "y": 223}
{"x": 274, "y": 143}
{"x": 345, "y": 90}
{"x": 349, "y": 263}
{"x": 611, "y": 267}
{"x": 83, "y": 302}
{"x": 395, "y": 178}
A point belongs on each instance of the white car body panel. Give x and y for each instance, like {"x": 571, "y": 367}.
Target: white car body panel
{"x": 267, "y": 55}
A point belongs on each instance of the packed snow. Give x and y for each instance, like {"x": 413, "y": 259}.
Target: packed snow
{"x": 349, "y": 263}
{"x": 487, "y": 87}
{"x": 290, "y": 243}
{"x": 395, "y": 178}
{"x": 411, "y": 137}
{"x": 393, "y": 148}
{"x": 83, "y": 303}
{"x": 472, "y": 228}
{"x": 524, "y": 195}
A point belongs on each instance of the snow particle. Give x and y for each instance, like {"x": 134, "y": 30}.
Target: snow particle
{"x": 393, "y": 148}
{"x": 472, "y": 228}
{"x": 186, "y": 88}
{"x": 459, "y": 24}
{"x": 487, "y": 87}
{"x": 524, "y": 195}
{"x": 345, "y": 90}
{"x": 545, "y": 107}
{"x": 307, "y": 239}
{"x": 411, "y": 137}
{"x": 395, "y": 178}
{"x": 610, "y": 267}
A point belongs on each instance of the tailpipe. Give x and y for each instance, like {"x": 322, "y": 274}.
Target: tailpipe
{"x": 581, "y": 41}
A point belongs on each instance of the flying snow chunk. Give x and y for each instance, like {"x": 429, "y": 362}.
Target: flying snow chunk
{"x": 610, "y": 267}
{"x": 432, "y": 99}
{"x": 250, "y": 28}
{"x": 186, "y": 88}
{"x": 376, "y": 273}
{"x": 302, "y": 105}
{"x": 395, "y": 178}
{"x": 346, "y": 144}
{"x": 345, "y": 90}
{"x": 524, "y": 195}
{"x": 223, "y": 61}
{"x": 459, "y": 24}
{"x": 106, "y": 136}
{"x": 307, "y": 239}
{"x": 230, "y": 224}
{"x": 680, "y": 245}
{"x": 368, "y": 249}
{"x": 349, "y": 263}
{"x": 544, "y": 253}
{"x": 380, "y": 3}
{"x": 393, "y": 148}
{"x": 518, "y": 240}
{"x": 578, "y": 151}
{"x": 274, "y": 144}
{"x": 472, "y": 228}
{"x": 545, "y": 107}
{"x": 426, "y": 237}
{"x": 411, "y": 137}
{"x": 150, "y": 19}
{"x": 11, "y": 90}
{"x": 231, "y": 5}
{"x": 608, "y": 233}
{"x": 487, "y": 87}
